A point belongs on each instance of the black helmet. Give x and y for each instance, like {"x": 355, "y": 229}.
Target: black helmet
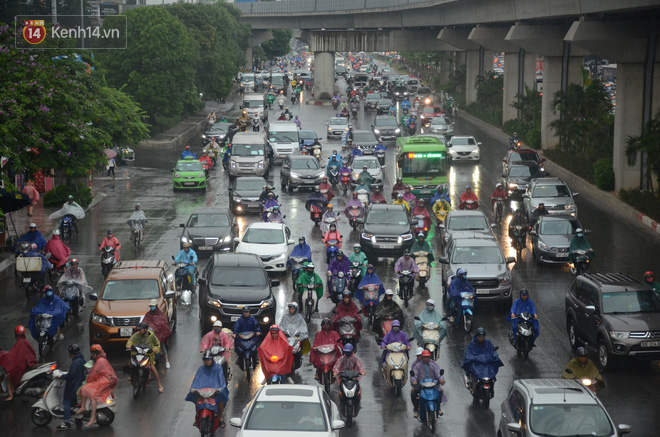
{"x": 207, "y": 355}
{"x": 74, "y": 349}
{"x": 481, "y": 332}
{"x": 581, "y": 352}
{"x": 340, "y": 253}
{"x": 326, "y": 321}
{"x": 406, "y": 252}
{"x": 524, "y": 291}
{"x": 143, "y": 325}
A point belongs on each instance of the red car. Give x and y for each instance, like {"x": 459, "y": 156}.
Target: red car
{"x": 429, "y": 113}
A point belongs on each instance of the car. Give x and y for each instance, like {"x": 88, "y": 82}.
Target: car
{"x": 616, "y": 313}
{"x": 337, "y": 126}
{"x": 463, "y": 148}
{"x": 555, "y": 407}
{"x": 522, "y": 155}
{"x": 373, "y": 167}
{"x": 488, "y": 269}
{"x": 364, "y": 139}
{"x": 361, "y": 80}
{"x": 400, "y": 92}
{"x": 553, "y": 193}
{"x": 441, "y": 126}
{"x": 458, "y": 220}
{"x": 300, "y": 171}
{"x": 244, "y": 194}
{"x": 340, "y": 70}
{"x": 308, "y": 137}
{"x": 371, "y": 100}
{"x": 124, "y": 154}
{"x": 386, "y": 230}
{"x": 428, "y": 113}
{"x": 425, "y": 94}
{"x": 413, "y": 85}
{"x": 247, "y": 81}
{"x": 222, "y": 132}
{"x": 270, "y": 241}
{"x": 383, "y": 106}
{"x": 516, "y": 180}
{"x": 231, "y": 282}
{"x": 210, "y": 230}
{"x": 551, "y": 237}
{"x": 288, "y": 409}
{"x": 188, "y": 175}
{"x": 386, "y": 127}
{"x": 124, "y": 299}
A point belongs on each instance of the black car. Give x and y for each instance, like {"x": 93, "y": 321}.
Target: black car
{"x": 386, "y": 127}
{"x": 300, "y": 171}
{"x": 383, "y": 106}
{"x": 222, "y": 132}
{"x": 371, "y": 100}
{"x": 514, "y": 156}
{"x": 400, "y": 92}
{"x": 244, "y": 194}
{"x": 231, "y": 282}
{"x": 386, "y": 230}
{"x": 363, "y": 139}
{"x": 519, "y": 175}
{"x": 210, "y": 230}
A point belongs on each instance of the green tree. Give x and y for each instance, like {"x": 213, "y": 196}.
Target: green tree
{"x": 529, "y": 105}
{"x": 648, "y": 143}
{"x": 279, "y": 45}
{"x": 490, "y": 89}
{"x": 120, "y": 117}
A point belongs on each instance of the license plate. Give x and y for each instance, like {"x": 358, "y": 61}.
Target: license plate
{"x": 386, "y": 246}
{"x": 188, "y": 184}
{"x": 425, "y": 192}
{"x": 650, "y": 344}
{"x": 483, "y": 292}
{"x": 125, "y": 332}
{"x": 251, "y": 205}
{"x": 205, "y": 247}
{"x": 234, "y": 318}
{"x": 27, "y": 280}
{"x": 562, "y": 255}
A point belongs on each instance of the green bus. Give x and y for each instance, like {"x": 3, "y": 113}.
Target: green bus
{"x": 422, "y": 162}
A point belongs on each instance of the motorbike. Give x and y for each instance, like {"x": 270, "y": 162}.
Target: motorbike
{"x": 440, "y": 217}
{"x": 297, "y": 263}
{"x": 107, "y": 260}
{"x": 182, "y": 278}
{"x": 422, "y": 261}
{"x": 272, "y": 218}
{"x": 219, "y": 358}
{"x": 72, "y": 293}
{"x": 582, "y": 259}
{"x": 363, "y": 196}
{"x": 335, "y": 104}
{"x": 296, "y": 343}
{"x": 246, "y": 349}
{"x": 354, "y": 112}
{"x": 385, "y": 324}
{"x": 328, "y": 358}
{"x": 317, "y": 152}
{"x": 514, "y": 144}
{"x": 28, "y": 269}
{"x": 395, "y": 369}
{"x": 349, "y": 394}
{"x": 345, "y": 113}
{"x": 380, "y": 154}
{"x": 524, "y": 339}
{"x": 316, "y": 214}
{"x": 345, "y": 179}
{"x": 591, "y": 384}
{"x": 54, "y": 273}
{"x": 333, "y": 176}
{"x": 482, "y": 389}
{"x": 469, "y": 205}
{"x": 411, "y": 129}
{"x": 67, "y": 228}
{"x": 331, "y": 250}
{"x": 140, "y": 369}
{"x": 49, "y": 406}
{"x": 518, "y": 239}
{"x": 309, "y": 301}
{"x": 355, "y": 213}
{"x": 370, "y": 301}
{"x": 347, "y": 332}
{"x": 466, "y": 310}
{"x": 206, "y": 419}
{"x": 429, "y": 400}
{"x": 336, "y": 286}
{"x": 35, "y": 380}
{"x": 137, "y": 233}
{"x": 355, "y": 276}
{"x": 498, "y": 209}
{"x": 45, "y": 340}
{"x": 406, "y": 285}
{"x": 276, "y": 379}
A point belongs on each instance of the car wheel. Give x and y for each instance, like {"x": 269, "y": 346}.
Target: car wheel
{"x": 571, "y": 330}
{"x": 603, "y": 354}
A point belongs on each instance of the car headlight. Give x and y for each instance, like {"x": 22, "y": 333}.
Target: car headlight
{"x": 295, "y": 175}
{"x": 177, "y": 175}
{"x": 213, "y": 302}
{"x": 376, "y": 131}
{"x": 329, "y": 129}
{"x": 266, "y": 303}
{"x": 542, "y": 245}
{"x": 406, "y": 237}
{"x": 504, "y": 279}
{"x": 367, "y": 236}
{"x": 260, "y": 164}
{"x": 619, "y": 335}
{"x": 281, "y": 257}
{"x": 512, "y": 185}
{"x": 397, "y": 130}
{"x": 237, "y": 199}
{"x": 234, "y": 164}
{"x": 227, "y": 239}
{"x": 427, "y": 100}
{"x": 101, "y": 320}
{"x": 222, "y": 136}
{"x": 201, "y": 175}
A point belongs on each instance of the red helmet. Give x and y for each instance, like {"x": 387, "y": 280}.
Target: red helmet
{"x": 648, "y": 274}
{"x": 274, "y": 328}
{"x": 19, "y": 330}
{"x": 426, "y": 353}
{"x": 187, "y": 147}
{"x": 96, "y": 348}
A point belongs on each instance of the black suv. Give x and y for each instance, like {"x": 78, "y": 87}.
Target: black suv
{"x": 300, "y": 171}
{"x": 617, "y": 313}
{"x": 231, "y": 282}
{"x": 386, "y": 231}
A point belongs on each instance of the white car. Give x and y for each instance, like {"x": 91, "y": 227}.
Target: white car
{"x": 270, "y": 241}
{"x": 288, "y": 409}
{"x": 463, "y": 148}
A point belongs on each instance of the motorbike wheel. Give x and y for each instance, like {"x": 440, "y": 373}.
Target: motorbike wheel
{"x": 43, "y": 345}
{"x": 371, "y": 319}
{"x": 486, "y": 403}
{"x": 467, "y": 323}
{"x": 327, "y": 382}
{"x": 430, "y": 420}
{"x": 66, "y": 238}
{"x": 524, "y": 354}
{"x": 137, "y": 387}
{"x": 105, "y": 417}
{"x": 397, "y": 388}
{"x": 422, "y": 282}
{"x": 205, "y": 427}
{"x": 32, "y": 293}
{"x": 247, "y": 365}
{"x": 40, "y": 417}
{"x": 349, "y": 415}
{"x": 74, "y": 308}
{"x": 309, "y": 310}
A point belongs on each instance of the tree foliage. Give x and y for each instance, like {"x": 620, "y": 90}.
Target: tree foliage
{"x": 648, "y": 143}
{"x": 279, "y": 45}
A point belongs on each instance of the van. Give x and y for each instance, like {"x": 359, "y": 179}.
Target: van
{"x": 360, "y": 80}
{"x": 277, "y": 83}
{"x": 247, "y": 81}
{"x": 413, "y": 85}
{"x": 248, "y": 155}
{"x": 283, "y": 138}
{"x": 254, "y": 104}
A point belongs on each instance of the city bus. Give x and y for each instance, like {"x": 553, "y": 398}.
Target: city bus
{"x": 421, "y": 162}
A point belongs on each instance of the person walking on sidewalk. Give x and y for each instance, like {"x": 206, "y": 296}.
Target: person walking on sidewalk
{"x": 111, "y": 167}
{"x": 33, "y": 194}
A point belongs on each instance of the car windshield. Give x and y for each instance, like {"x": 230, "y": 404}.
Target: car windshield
{"x": 370, "y": 163}
{"x": 283, "y": 137}
{"x": 249, "y": 184}
{"x": 287, "y": 416}
{"x": 517, "y": 157}
{"x": 243, "y": 277}
{"x": 551, "y": 191}
{"x": 247, "y": 150}
{"x": 373, "y": 96}
{"x": 559, "y": 420}
{"x": 387, "y": 217}
{"x": 191, "y": 165}
{"x": 477, "y": 255}
{"x": 523, "y": 171}
{"x": 463, "y": 141}
{"x": 469, "y": 223}
{"x": 253, "y": 103}
{"x": 277, "y": 81}
{"x": 558, "y": 227}
{"x": 307, "y": 135}
{"x": 208, "y": 220}
{"x": 218, "y": 129}
{"x": 400, "y": 89}
{"x": 263, "y": 236}
{"x": 338, "y": 122}
{"x": 440, "y": 121}
{"x": 388, "y": 121}
{"x": 421, "y": 164}
{"x": 431, "y": 110}
{"x": 131, "y": 289}
{"x": 364, "y": 137}
{"x": 304, "y": 164}
{"x": 642, "y": 301}
{"x": 247, "y": 78}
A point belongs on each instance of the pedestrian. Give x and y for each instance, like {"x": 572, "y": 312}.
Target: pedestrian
{"x": 111, "y": 167}
{"x": 33, "y": 194}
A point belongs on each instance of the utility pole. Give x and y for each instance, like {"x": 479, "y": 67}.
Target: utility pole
{"x": 53, "y": 10}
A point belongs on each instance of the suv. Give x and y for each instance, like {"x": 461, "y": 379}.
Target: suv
{"x": 553, "y": 193}
{"x": 231, "y": 282}
{"x": 553, "y": 407}
{"x": 124, "y": 300}
{"x": 518, "y": 176}
{"x": 386, "y": 230}
{"x": 386, "y": 127}
{"x": 300, "y": 171}
{"x": 615, "y": 312}
{"x": 371, "y": 99}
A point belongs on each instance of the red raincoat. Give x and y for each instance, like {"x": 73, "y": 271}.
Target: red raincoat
{"x": 275, "y": 348}
{"x": 18, "y": 359}
{"x": 101, "y": 381}
{"x": 112, "y": 242}
{"x": 377, "y": 197}
{"x": 324, "y": 338}
{"x": 59, "y": 250}
{"x": 420, "y": 210}
{"x": 327, "y": 186}
{"x": 350, "y": 310}
{"x": 158, "y": 322}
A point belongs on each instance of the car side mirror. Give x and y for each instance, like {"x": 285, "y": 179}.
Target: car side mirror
{"x": 170, "y": 294}
{"x": 493, "y": 225}
{"x": 275, "y": 282}
{"x": 576, "y": 194}
{"x": 532, "y": 232}
{"x": 514, "y": 427}
{"x": 590, "y": 309}
{"x": 202, "y": 281}
{"x": 182, "y": 225}
{"x": 338, "y": 424}
{"x": 236, "y": 421}
{"x": 416, "y": 318}
{"x": 237, "y": 240}
{"x": 569, "y": 371}
{"x": 510, "y": 259}
{"x": 441, "y": 226}
{"x": 291, "y": 242}
{"x": 93, "y": 296}
{"x": 444, "y": 260}
{"x": 624, "y": 429}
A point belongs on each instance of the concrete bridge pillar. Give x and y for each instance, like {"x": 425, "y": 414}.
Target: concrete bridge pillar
{"x": 257, "y": 37}
{"x": 324, "y": 75}
{"x": 473, "y": 68}
{"x": 472, "y": 57}
{"x": 445, "y": 65}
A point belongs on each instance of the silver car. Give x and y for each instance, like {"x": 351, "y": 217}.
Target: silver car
{"x": 373, "y": 167}
{"x": 442, "y": 126}
{"x": 463, "y": 148}
{"x": 465, "y": 221}
{"x": 555, "y": 407}
{"x": 551, "y": 238}
{"x": 553, "y": 193}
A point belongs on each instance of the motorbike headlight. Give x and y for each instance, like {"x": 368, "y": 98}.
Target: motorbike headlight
{"x": 397, "y": 130}
{"x": 214, "y": 302}
{"x": 504, "y": 279}
{"x": 512, "y": 185}
{"x": 406, "y": 237}
{"x": 619, "y": 335}
{"x": 376, "y": 131}
{"x": 101, "y": 320}
{"x": 177, "y": 175}
{"x": 203, "y": 136}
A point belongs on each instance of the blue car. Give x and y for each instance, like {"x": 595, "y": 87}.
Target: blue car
{"x": 307, "y": 138}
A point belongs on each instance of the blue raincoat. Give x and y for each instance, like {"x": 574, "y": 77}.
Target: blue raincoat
{"x": 523, "y": 306}
{"x": 481, "y": 360}
{"x": 33, "y": 237}
{"x": 302, "y": 250}
{"x": 188, "y": 153}
{"x": 48, "y": 305}
{"x": 368, "y": 279}
{"x": 248, "y": 324}
{"x": 209, "y": 377}
{"x": 437, "y": 196}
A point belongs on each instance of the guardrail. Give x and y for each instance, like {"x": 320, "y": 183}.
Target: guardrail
{"x": 311, "y": 7}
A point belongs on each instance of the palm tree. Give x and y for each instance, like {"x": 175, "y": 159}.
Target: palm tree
{"x": 648, "y": 143}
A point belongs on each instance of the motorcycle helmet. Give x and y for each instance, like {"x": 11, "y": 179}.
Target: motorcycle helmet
{"x": 292, "y": 305}
{"x": 142, "y": 325}
{"x": 468, "y": 187}
{"x": 648, "y": 274}
{"x": 461, "y": 272}
{"x": 70, "y": 197}
{"x": 74, "y": 261}
{"x": 348, "y": 348}
{"x": 340, "y": 253}
{"x": 515, "y": 134}
{"x": 426, "y": 353}
{"x": 421, "y": 235}
{"x": 430, "y": 302}
{"x": 246, "y": 310}
{"x": 74, "y": 349}
{"x": 346, "y": 293}
{"x": 218, "y": 323}
{"x": 440, "y": 187}
{"x": 95, "y": 348}
{"x": 419, "y": 351}
{"x": 310, "y": 265}
{"x": 357, "y": 246}
{"x": 581, "y": 352}
{"x": 399, "y": 196}
{"x": 524, "y": 292}
{"x": 276, "y": 208}
{"x": 19, "y": 330}
{"x": 420, "y": 202}
{"x": 579, "y": 232}
{"x": 56, "y": 232}
{"x": 207, "y": 355}
{"x": 271, "y": 194}
{"x": 137, "y": 204}
{"x": 329, "y": 207}
{"x": 48, "y": 290}
{"x": 110, "y": 232}
{"x": 326, "y": 322}
{"x": 370, "y": 267}
{"x": 389, "y": 292}
{"x": 498, "y": 185}
{"x": 396, "y": 323}
{"x": 481, "y": 332}
{"x": 187, "y": 147}
{"x": 274, "y": 328}
{"x": 406, "y": 252}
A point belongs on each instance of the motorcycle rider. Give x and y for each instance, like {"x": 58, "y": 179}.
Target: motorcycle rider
{"x": 145, "y": 336}
{"x": 16, "y": 361}
{"x": 326, "y": 336}
{"x": 268, "y": 189}
{"x": 325, "y": 185}
{"x": 347, "y": 308}
{"x": 354, "y": 202}
{"x": 440, "y": 194}
{"x": 369, "y": 278}
{"x": 349, "y": 361}
{"x": 74, "y": 379}
{"x": 334, "y": 162}
{"x": 301, "y": 249}
{"x": 245, "y": 323}
{"x": 513, "y": 141}
{"x": 58, "y": 250}
{"x": 362, "y": 184}
{"x": 282, "y": 117}
{"x": 329, "y": 216}
{"x": 579, "y": 242}
{"x": 396, "y": 335}
{"x": 423, "y": 369}
{"x": 405, "y": 104}
{"x": 275, "y": 345}
{"x": 292, "y": 321}
{"x": 409, "y": 197}
{"x": 421, "y": 245}
{"x": 497, "y": 194}
{"x": 583, "y": 367}
{"x": 187, "y": 152}
{"x": 648, "y": 279}
{"x": 387, "y": 308}
{"x": 399, "y": 201}
{"x": 268, "y": 204}
{"x": 538, "y": 212}
{"x": 469, "y": 195}
{"x": 137, "y": 220}
{"x": 524, "y": 304}
{"x": 33, "y": 236}
{"x": 332, "y": 234}
{"x": 270, "y": 98}
{"x": 339, "y": 264}
{"x": 53, "y": 305}
{"x": 317, "y": 199}
{"x": 75, "y": 274}
{"x": 281, "y": 101}
{"x": 440, "y": 209}
{"x": 306, "y": 277}
{"x": 420, "y": 209}
{"x": 380, "y": 147}
{"x": 161, "y": 327}
{"x": 518, "y": 220}
{"x": 406, "y": 262}
{"x": 188, "y": 256}
{"x": 275, "y": 215}
{"x": 377, "y": 197}
{"x": 288, "y": 114}
{"x": 458, "y": 285}
{"x": 298, "y": 122}
{"x": 354, "y": 106}
{"x": 359, "y": 256}
{"x": 217, "y": 337}
{"x": 72, "y": 209}
{"x": 100, "y": 383}
{"x": 429, "y": 315}
{"x": 480, "y": 351}
{"x": 411, "y": 124}
{"x": 205, "y": 159}
{"x": 111, "y": 240}
{"x": 398, "y": 187}
{"x": 210, "y": 375}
